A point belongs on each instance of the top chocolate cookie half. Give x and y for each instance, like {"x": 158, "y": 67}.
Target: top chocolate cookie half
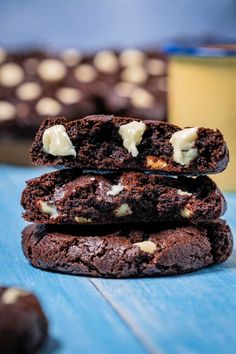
{"x": 113, "y": 143}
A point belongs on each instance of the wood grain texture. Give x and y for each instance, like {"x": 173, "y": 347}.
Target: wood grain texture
{"x": 194, "y": 313}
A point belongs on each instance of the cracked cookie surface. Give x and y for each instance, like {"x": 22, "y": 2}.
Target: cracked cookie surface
{"x": 127, "y": 251}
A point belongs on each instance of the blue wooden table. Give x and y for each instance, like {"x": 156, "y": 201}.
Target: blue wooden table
{"x": 194, "y": 313}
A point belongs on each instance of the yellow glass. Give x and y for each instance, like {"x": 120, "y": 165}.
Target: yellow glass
{"x": 202, "y": 92}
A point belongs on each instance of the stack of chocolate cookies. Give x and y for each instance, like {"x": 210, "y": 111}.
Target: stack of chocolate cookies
{"x": 125, "y": 205}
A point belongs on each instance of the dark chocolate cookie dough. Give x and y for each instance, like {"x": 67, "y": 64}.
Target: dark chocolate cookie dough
{"x": 70, "y": 196}
{"x": 108, "y": 142}
{"x": 127, "y": 251}
{"x": 23, "y": 325}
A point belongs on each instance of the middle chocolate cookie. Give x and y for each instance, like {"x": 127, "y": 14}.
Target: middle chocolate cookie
{"x": 75, "y": 197}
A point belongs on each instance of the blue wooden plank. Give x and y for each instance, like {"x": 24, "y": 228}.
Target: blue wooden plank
{"x": 81, "y": 320}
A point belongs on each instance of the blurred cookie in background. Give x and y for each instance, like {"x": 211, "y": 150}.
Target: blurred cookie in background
{"x": 39, "y": 84}
{"x": 140, "y": 89}
{"x": 23, "y": 325}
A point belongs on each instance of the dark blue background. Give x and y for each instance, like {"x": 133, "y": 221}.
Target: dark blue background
{"x": 91, "y": 24}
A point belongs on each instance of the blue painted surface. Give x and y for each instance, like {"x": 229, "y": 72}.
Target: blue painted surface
{"x": 194, "y": 313}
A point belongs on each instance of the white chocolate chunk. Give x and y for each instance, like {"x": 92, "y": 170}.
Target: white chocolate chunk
{"x": 11, "y": 75}
{"x": 131, "y": 57}
{"x": 47, "y": 106}
{"x": 183, "y": 142}
{"x": 29, "y": 91}
{"x": 82, "y": 220}
{"x": 11, "y": 295}
{"x": 58, "y": 194}
{"x": 115, "y": 189}
{"x": 85, "y": 73}
{"x": 146, "y": 246}
{"x": 186, "y": 213}
{"x": 142, "y": 98}
{"x": 68, "y": 95}
{"x": 135, "y": 74}
{"x": 124, "y": 89}
{"x": 51, "y": 70}
{"x": 48, "y": 209}
{"x": 123, "y": 210}
{"x": 156, "y": 67}
{"x": 3, "y": 55}
{"x": 180, "y": 192}
{"x": 132, "y": 134}
{"x": 71, "y": 56}
{"x": 7, "y": 110}
{"x": 106, "y": 61}
{"x": 56, "y": 141}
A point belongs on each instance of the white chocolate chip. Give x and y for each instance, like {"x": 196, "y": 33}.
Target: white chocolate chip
{"x": 57, "y": 142}
{"x": 180, "y": 192}
{"x": 3, "y": 55}
{"x": 131, "y": 57}
{"x": 48, "y": 209}
{"x": 115, "y": 189}
{"x": 132, "y": 134}
{"x": 135, "y": 74}
{"x": 122, "y": 210}
{"x": 183, "y": 142}
{"x": 186, "y": 213}
{"x": 71, "y": 56}
{"x": 124, "y": 89}
{"x": 11, "y": 75}
{"x": 47, "y": 106}
{"x": 156, "y": 67}
{"x": 82, "y": 220}
{"x": 147, "y": 246}
{"x": 7, "y": 110}
{"x": 51, "y": 70}
{"x": 142, "y": 98}
{"x": 11, "y": 295}
{"x": 85, "y": 73}
{"x": 102, "y": 186}
{"x": 106, "y": 61}
{"x": 29, "y": 91}
{"x": 68, "y": 95}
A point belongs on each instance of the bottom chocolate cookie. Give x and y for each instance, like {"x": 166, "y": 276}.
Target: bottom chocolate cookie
{"x": 127, "y": 251}
{"x": 23, "y": 325}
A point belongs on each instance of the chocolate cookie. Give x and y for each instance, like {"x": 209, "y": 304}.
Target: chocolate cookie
{"x": 23, "y": 325}
{"x": 108, "y": 142}
{"x": 70, "y": 197}
{"x": 127, "y": 251}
